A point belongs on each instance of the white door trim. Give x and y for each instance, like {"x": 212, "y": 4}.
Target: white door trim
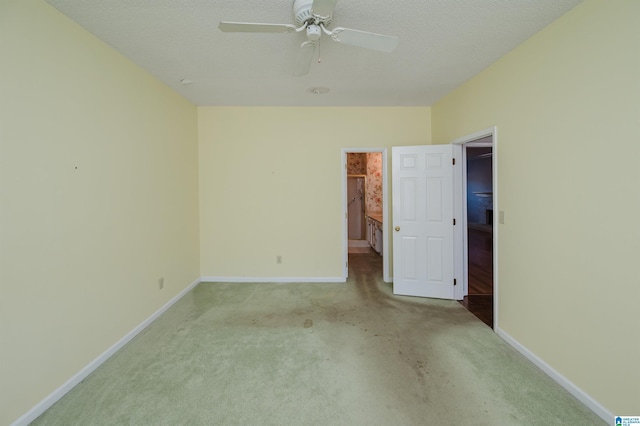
{"x": 386, "y": 270}
{"x": 461, "y": 200}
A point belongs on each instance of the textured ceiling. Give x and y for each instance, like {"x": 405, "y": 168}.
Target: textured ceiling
{"x": 442, "y": 44}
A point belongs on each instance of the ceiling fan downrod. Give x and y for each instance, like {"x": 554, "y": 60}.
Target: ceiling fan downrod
{"x": 303, "y": 13}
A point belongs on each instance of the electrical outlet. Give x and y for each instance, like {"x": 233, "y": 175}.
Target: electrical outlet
{"x": 161, "y": 283}
{"x": 278, "y": 259}
{"x": 501, "y": 217}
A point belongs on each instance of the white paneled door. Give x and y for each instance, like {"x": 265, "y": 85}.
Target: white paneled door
{"x": 422, "y": 183}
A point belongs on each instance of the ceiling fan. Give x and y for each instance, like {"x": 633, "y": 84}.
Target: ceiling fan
{"x": 314, "y": 16}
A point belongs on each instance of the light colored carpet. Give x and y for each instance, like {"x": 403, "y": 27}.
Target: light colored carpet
{"x": 317, "y": 354}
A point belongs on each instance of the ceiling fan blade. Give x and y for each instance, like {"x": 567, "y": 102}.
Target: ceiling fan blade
{"x": 373, "y": 41}
{"x": 249, "y": 27}
{"x": 323, "y": 7}
{"x": 305, "y": 57}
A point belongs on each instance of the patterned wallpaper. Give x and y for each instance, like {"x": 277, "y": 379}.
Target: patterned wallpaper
{"x": 356, "y": 163}
{"x": 374, "y": 182}
{"x": 369, "y": 164}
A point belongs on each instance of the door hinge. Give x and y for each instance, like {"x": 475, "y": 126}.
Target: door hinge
{"x": 453, "y": 161}
{"x": 454, "y": 222}
{"x": 455, "y": 282}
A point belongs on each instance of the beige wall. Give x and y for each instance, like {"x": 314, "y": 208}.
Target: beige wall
{"x": 567, "y": 107}
{"x": 271, "y": 182}
{"x": 99, "y": 187}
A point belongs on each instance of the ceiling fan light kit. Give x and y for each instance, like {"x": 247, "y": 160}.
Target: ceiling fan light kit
{"x": 315, "y": 16}
{"x": 313, "y": 32}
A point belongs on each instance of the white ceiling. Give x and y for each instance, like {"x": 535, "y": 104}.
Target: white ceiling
{"x": 442, "y": 44}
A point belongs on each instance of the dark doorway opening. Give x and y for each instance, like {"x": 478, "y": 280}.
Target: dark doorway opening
{"x": 479, "y": 299}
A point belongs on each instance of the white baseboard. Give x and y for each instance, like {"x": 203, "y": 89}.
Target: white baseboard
{"x": 52, "y": 398}
{"x": 574, "y": 390}
{"x": 273, "y": 279}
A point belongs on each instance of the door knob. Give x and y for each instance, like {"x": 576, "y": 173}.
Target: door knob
{"x": 397, "y": 228}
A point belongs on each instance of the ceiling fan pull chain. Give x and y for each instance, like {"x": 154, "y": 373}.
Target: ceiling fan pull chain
{"x": 319, "y": 58}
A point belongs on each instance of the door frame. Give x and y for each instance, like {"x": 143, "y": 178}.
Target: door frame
{"x": 386, "y": 272}
{"x": 460, "y": 208}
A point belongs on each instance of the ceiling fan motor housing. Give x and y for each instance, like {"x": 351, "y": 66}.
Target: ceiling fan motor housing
{"x": 302, "y": 13}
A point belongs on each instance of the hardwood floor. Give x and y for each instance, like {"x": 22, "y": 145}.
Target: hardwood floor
{"x": 480, "y": 299}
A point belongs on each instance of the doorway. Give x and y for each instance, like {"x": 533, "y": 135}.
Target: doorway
{"x": 479, "y": 298}
{"x": 365, "y": 205}
{"x": 478, "y": 200}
